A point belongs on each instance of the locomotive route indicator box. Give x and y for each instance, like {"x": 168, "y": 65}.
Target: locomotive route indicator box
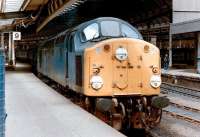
{"x": 16, "y": 35}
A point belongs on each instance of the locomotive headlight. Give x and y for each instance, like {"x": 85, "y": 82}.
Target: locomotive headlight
{"x": 155, "y": 81}
{"x": 121, "y": 54}
{"x": 96, "y": 82}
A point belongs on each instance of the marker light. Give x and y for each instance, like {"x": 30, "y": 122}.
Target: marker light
{"x": 96, "y": 82}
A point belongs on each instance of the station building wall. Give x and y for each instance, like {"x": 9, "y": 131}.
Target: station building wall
{"x": 185, "y": 10}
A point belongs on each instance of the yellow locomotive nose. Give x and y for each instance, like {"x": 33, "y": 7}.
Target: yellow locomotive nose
{"x": 124, "y": 66}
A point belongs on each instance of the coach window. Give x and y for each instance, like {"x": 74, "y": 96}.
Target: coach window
{"x": 110, "y": 28}
{"x": 129, "y": 32}
{"x": 90, "y": 32}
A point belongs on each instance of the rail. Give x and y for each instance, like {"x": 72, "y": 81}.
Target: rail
{"x": 172, "y": 88}
{"x": 180, "y": 111}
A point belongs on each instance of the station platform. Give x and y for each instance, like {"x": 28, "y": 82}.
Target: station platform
{"x": 191, "y": 73}
{"x": 184, "y": 77}
{"x": 36, "y": 110}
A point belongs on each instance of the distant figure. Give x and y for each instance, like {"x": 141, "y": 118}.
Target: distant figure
{"x": 166, "y": 62}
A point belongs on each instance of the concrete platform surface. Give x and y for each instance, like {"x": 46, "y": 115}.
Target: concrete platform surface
{"x": 182, "y": 72}
{"x": 36, "y": 110}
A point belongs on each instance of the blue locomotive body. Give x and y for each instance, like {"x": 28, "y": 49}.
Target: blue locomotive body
{"x": 52, "y": 58}
{"x": 59, "y": 60}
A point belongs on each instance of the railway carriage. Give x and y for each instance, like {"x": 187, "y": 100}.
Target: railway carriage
{"x": 106, "y": 61}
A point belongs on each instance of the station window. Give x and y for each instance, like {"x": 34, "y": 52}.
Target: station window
{"x": 129, "y": 32}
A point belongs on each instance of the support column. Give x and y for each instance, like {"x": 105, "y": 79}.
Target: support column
{"x": 9, "y": 48}
{"x": 198, "y": 53}
{"x": 11, "y": 51}
{"x": 170, "y": 48}
{"x": 2, "y": 40}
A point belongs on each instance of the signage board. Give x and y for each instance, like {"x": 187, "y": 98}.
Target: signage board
{"x": 16, "y": 35}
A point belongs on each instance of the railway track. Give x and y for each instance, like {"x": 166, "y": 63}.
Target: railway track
{"x": 183, "y": 114}
{"x": 180, "y": 111}
{"x": 185, "y": 91}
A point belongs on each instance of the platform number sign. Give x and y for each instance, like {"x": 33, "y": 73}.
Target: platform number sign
{"x": 16, "y": 35}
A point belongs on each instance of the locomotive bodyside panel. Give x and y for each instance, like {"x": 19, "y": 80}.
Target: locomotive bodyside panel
{"x": 51, "y": 62}
{"x": 57, "y": 65}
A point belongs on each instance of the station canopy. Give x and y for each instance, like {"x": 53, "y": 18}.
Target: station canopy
{"x": 40, "y": 13}
{"x": 17, "y": 12}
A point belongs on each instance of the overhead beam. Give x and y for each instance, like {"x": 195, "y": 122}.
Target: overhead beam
{"x": 57, "y": 7}
{"x": 15, "y": 15}
{"x": 25, "y": 4}
{"x": 2, "y": 2}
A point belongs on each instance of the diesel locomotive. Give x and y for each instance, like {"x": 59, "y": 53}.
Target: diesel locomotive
{"x": 107, "y": 63}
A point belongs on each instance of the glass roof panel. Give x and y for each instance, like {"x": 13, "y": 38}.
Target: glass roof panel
{"x": 5, "y": 21}
{"x": 13, "y": 5}
{"x": 10, "y": 6}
